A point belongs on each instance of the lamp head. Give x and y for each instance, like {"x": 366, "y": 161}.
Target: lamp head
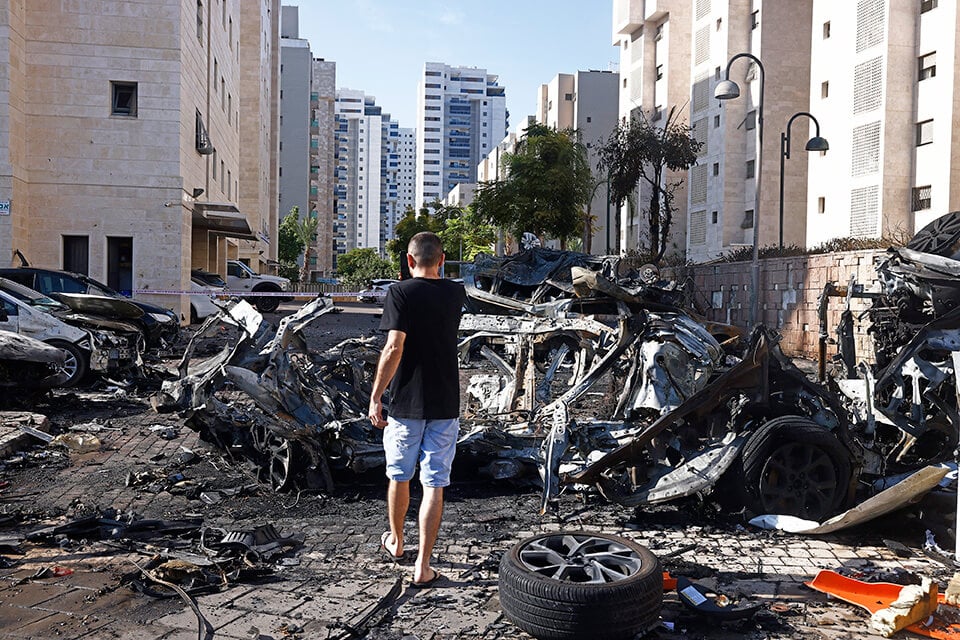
{"x": 726, "y": 90}
{"x": 817, "y": 143}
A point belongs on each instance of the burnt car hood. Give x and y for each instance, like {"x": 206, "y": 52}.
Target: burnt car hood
{"x": 14, "y": 346}
{"x": 102, "y": 306}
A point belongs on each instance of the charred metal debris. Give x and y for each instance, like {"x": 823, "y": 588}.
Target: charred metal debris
{"x": 581, "y": 371}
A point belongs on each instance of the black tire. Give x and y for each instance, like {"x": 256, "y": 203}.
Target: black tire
{"x": 610, "y": 587}
{"x": 793, "y": 466}
{"x": 193, "y": 315}
{"x": 266, "y": 304}
{"x": 75, "y": 367}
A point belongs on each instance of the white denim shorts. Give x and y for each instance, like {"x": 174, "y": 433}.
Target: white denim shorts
{"x": 432, "y": 443}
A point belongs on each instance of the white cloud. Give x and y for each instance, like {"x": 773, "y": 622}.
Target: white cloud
{"x": 451, "y": 18}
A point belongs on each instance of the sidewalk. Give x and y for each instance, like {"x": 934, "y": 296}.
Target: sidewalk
{"x": 341, "y": 573}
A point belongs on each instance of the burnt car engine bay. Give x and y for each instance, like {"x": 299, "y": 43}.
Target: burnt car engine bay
{"x": 583, "y": 371}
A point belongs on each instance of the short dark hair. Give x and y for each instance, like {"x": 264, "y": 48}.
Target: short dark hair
{"x": 426, "y": 249}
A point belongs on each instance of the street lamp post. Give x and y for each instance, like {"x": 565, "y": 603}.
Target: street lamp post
{"x": 727, "y": 89}
{"x": 816, "y": 143}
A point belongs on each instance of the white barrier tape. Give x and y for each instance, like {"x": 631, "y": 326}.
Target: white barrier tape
{"x": 260, "y": 294}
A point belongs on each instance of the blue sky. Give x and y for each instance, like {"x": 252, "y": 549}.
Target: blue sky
{"x": 380, "y": 45}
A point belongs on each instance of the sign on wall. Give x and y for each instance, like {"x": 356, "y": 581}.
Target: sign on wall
{"x": 4, "y": 207}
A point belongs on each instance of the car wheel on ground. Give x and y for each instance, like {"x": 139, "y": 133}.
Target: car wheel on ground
{"x": 793, "y": 466}
{"x": 571, "y": 585}
{"x": 74, "y": 367}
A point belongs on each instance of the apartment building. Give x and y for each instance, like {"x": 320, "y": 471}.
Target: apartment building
{"x": 407, "y": 174}
{"x": 673, "y": 53}
{"x": 587, "y": 102}
{"x": 461, "y": 116}
{"x": 259, "y": 118}
{"x": 308, "y": 91}
{"x": 296, "y": 75}
{"x": 367, "y": 168}
{"x": 323, "y": 162}
{"x": 882, "y": 84}
{"x": 133, "y": 174}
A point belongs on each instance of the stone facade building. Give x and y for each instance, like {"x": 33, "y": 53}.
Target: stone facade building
{"x": 134, "y": 174}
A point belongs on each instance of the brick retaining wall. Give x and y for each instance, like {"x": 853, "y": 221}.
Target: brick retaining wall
{"x": 789, "y": 290}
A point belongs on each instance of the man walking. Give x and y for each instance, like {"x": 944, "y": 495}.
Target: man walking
{"x": 419, "y": 362}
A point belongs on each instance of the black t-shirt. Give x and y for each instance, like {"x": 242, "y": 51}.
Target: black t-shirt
{"x": 427, "y": 382}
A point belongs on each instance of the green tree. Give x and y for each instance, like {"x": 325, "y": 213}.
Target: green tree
{"x": 466, "y": 235}
{"x": 641, "y": 150}
{"x": 289, "y": 246}
{"x": 547, "y": 186}
{"x": 358, "y": 267}
{"x": 306, "y": 232}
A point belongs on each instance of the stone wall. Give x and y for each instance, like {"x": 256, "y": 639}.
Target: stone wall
{"x": 789, "y": 292}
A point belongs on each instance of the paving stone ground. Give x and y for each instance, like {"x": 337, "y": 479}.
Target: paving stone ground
{"x": 341, "y": 573}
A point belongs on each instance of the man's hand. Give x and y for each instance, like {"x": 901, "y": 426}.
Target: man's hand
{"x": 375, "y": 413}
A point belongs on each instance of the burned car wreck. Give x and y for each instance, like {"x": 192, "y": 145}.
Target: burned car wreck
{"x": 583, "y": 371}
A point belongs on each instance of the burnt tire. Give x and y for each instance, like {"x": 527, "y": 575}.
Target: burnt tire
{"x": 572, "y": 585}
{"x": 75, "y": 365}
{"x": 793, "y": 466}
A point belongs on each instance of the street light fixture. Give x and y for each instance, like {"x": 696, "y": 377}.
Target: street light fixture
{"x": 727, "y": 89}
{"x": 816, "y": 143}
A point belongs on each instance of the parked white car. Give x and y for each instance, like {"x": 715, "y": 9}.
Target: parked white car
{"x": 202, "y": 304}
{"x": 241, "y": 279}
{"x": 376, "y": 292}
{"x": 31, "y": 314}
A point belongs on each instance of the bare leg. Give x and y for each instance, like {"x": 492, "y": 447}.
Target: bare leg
{"x": 431, "y": 511}
{"x": 398, "y": 501}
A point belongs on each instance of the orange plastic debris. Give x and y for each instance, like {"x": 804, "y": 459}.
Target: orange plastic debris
{"x": 874, "y": 596}
{"x": 669, "y": 582}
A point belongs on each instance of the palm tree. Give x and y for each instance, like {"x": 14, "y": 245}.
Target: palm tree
{"x": 306, "y": 230}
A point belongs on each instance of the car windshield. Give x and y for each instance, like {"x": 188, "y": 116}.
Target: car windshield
{"x": 99, "y": 289}
{"x": 30, "y": 297}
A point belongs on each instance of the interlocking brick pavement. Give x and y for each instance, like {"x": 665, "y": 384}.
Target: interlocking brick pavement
{"x": 342, "y": 574}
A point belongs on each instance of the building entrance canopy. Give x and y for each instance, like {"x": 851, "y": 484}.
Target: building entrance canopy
{"x": 223, "y": 219}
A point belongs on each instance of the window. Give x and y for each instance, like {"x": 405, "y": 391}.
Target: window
{"x": 222, "y": 174}
{"x": 229, "y": 108}
{"x": 716, "y": 73}
{"x": 716, "y": 168}
{"x": 751, "y": 120}
{"x": 716, "y": 122}
{"x": 928, "y": 66}
{"x": 223, "y": 92}
{"x": 659, "y": 71}
{"x": 568, "y": 97}
{"x": 921, "y": 198}
{"x": 747, "y": 219}
{"x": 589, "y": 119}
{"x": 203, "y": 144}
{"x": 624, "y": 83}
{"x": 826, "y": 29}
{"x": 825, "y": 89}
{"x": 124, "y": 99}
{"x": 924, "y": 132}
{"x": 76, "y": 254}
{"x": 229, "y": 182}
{"x": 751, "y": 168}
{"x": 223, "y": 13}
{"x": 200, "y": 20}
{"x": 755, "y": 19}
{"x": 214, "y": 166}
{"x": 927, "y": 5}
{"x": 625, "y": 43}
{"x": 821, "y": 205}
{"x": 714, "y": 217}
{"x": 216, "y": 72}
{"x": 719, "y": 24}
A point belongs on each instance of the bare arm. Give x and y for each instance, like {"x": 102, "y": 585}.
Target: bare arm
{"x": 386, "y": 369}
